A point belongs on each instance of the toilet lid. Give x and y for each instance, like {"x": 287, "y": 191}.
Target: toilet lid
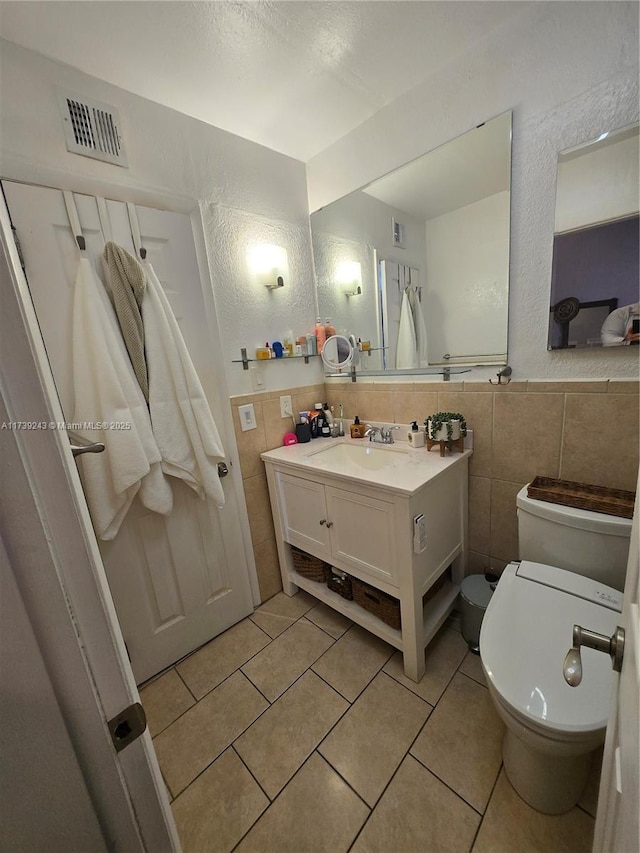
{"x": 526, "y": 633}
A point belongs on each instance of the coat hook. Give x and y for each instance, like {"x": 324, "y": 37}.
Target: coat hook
{"x": 506, "y": 373}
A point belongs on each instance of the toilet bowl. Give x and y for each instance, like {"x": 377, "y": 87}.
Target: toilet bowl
{"x": 552, "y": 729}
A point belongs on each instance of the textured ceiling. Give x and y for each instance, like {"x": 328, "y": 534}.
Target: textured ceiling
{"x": 294, "y": 76}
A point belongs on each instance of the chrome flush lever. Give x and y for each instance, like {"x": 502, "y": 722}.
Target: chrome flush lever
{"x": 613, "y": 646}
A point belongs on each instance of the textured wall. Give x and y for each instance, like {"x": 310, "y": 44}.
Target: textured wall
{"x": 521, "y": 430}
{"x": 569, "y": 71}
{"x": 246, "y": 193}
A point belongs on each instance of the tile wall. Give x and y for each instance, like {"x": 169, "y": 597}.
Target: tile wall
{"x": 584, "y": 431}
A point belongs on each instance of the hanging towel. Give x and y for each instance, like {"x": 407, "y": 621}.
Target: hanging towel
{"x": 183, "y": 425}
{"x": 106, "y": 391}
{"x": 420, "y": 327}
{"x": 127, "y": 283}
{"x": 406, "y": 351}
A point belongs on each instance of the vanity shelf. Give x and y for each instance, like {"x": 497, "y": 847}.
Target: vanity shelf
{"x": 435, "y": 611}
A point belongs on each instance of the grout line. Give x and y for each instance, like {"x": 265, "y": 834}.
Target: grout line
{"x": 191, "y": 693}
{"x": 484, "y": 814}
{"x": 253, "y": 776}
{"x": 564, "y": 416}
{"x": 446, "y": 784}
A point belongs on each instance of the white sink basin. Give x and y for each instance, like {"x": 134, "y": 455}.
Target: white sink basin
{"x": 365, "y": 455}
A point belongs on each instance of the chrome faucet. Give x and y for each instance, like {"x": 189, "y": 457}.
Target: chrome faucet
{"x": 380, "y": 435}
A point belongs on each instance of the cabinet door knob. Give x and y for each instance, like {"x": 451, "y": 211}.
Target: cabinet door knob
{"x": 323, "y": 521}
{"x": 329, "y": 523}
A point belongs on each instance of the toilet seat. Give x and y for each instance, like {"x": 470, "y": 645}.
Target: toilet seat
{"x": 525, "y": 635}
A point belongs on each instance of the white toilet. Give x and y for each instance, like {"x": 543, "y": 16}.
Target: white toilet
{"x": 572, "y": 570}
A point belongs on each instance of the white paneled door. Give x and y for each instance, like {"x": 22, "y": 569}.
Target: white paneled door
{"x": 177, "y": 581}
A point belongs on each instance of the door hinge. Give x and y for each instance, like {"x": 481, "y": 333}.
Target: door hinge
{"x": 16, "y": 240}
{"x": 127, "y": 726}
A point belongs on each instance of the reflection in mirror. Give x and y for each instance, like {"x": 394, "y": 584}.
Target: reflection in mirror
{"x": 337, "y": 352}
{"x": 416, "y": 264}
{"x": 594, "y": 279}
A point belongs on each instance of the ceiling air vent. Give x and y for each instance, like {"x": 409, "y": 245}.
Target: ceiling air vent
{"x": 92, "y": 129}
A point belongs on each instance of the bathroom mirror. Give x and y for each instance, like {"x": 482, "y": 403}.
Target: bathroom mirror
{"x": 337, "y": 353}
{"x": 595, "y": 272}
{"x": 416, "y": 264}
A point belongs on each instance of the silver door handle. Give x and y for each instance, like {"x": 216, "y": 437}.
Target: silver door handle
{"x": 613, "y": 646}
{"x": 223, "y": 469}
{"x": 80, "y": 445}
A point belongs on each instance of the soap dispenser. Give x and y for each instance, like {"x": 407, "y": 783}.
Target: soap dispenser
{"x": 356, "y": 429}
{"x": 415, "y": 436}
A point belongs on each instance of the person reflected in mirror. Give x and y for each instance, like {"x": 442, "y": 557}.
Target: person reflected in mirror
{"x": 622, "y": 326}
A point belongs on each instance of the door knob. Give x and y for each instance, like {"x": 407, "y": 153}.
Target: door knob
{"x": 223, "y": 469}
{"x": 613, "y": 646}
{"x": 323, "y": 521}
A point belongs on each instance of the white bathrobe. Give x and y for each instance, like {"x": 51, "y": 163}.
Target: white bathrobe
{"x": 406, "y": 350}
{"x": 183, "y": 425}
{"x": 106, "y": 391}
{"x": 421, "y": 329}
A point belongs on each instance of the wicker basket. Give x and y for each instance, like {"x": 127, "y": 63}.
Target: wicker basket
{"x": 384, "y": 606}
{"x": 310, "y": 567}
{"x": 583, "y": 496}
{"x": 339, "y": 582}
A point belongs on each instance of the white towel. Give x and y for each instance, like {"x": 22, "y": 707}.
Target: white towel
{"x": 182, "y": 421}
{"x": 421, "y": 329}
{"x": 106, "y": 391}
{"x": 406, "y": 351}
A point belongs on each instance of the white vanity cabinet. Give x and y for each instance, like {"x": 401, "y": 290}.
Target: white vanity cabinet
{"x": 362, "y": 522}
{"x": 346, "y": 528}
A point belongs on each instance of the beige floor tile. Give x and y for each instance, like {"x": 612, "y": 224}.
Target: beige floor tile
{"x": 443, "y": 656}
{"x": 316, "y": 812}
{"x": 187, "y": 746}
{"x": 283, "y": 661}
{"x": 164, "y": 700}
{"x": 472, "y": 666}
{"x": 279, "y": 742}
{"x": 418, "y": 813}
{"x": 370, "y": 741}
{"x": 281, "y": 611}
{"x": 210, "y": 665}
{"x": 216, "y": 810}
{"x": 462, "y": 741}
{"x": 329, "y": 620}
{"x": 508, "y": 818}
{"x": 353, "y": 661}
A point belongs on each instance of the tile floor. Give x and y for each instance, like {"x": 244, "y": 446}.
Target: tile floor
{"x": 296, "y": 730}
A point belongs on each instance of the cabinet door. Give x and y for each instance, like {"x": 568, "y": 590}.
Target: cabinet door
{"x": 363, "y": 534}
{"x": 304, "y": 514}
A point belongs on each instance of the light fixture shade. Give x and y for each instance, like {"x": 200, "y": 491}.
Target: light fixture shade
{"x": 268, "y": 265}
{"x": 349, "y": 277}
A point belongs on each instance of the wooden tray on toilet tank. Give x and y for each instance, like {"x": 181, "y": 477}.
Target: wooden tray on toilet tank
{"x": 583, "y": 496}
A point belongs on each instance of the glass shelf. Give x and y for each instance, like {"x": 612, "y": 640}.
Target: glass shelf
{"x": 245, "y": 361}
{"x": 445, "y": 372}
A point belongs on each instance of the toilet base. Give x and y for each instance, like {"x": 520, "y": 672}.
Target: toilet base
{"x": 551, "y": 784}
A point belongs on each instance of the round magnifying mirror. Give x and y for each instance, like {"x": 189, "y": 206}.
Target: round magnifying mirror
{"x": 337, "y": 352}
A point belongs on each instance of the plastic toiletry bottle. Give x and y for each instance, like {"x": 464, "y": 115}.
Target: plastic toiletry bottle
{"x": 341, "y": 428}
{"x": 415, "y": 436}
{"x": 263, "y": 352}
{"x": 327, "y": 414}
{"x": 278, "y": 349}
{"x": 356, "y": 429}
{"x": 321, "y": 335}
{"x": 329, "y": 330}
{"x": 312, "y": 344}
{"x": 287, "y": 343}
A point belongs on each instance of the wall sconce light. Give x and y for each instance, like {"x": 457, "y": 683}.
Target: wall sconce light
{"x": 349, "y": 278}
{"x": 268, "y": 265}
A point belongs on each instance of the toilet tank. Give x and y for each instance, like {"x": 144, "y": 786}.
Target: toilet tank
{"x": 588, "y": 543}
